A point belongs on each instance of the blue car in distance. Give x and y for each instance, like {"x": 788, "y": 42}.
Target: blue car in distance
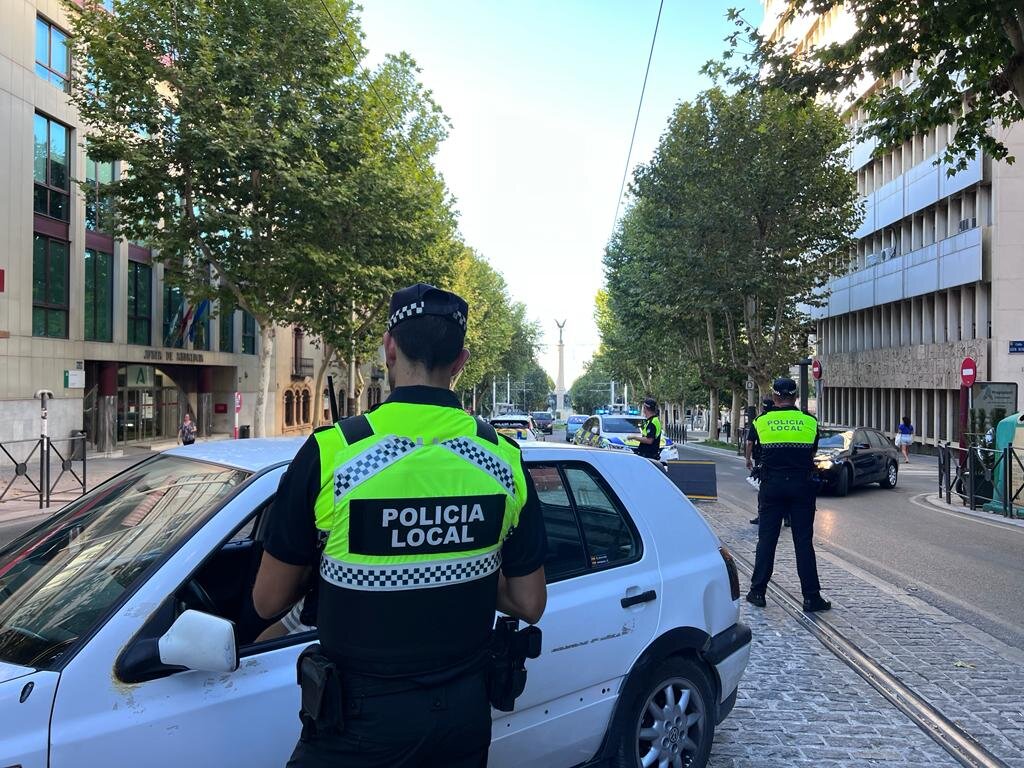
{"x": 572, "y": 424}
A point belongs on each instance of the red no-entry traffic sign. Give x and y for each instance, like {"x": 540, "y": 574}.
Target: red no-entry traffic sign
{"x": 968, "y": 372}
{"x": 816, "y": 369}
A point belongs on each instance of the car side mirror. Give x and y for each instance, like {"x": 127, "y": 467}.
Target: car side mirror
{"x": 195, "y": 640}
{"x": 594, "y": 431}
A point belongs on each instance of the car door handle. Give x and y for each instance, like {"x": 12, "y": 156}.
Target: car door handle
{"x": 643, "y": 597}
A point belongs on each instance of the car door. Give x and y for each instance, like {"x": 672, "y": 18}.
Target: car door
{"x": 596, "y": 559}
{"x": 864, "y": 457}
{"x": 880, "y": 448}
{"x": 188, "y": 718}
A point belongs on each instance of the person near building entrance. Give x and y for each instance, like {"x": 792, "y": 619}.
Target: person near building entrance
{"x": 429, "y": 522}
{"x": 788, "y": 440}
{"x": 650, "y": 431}
{"x": 905, "y": 437}
{"x": 187, "y": 431}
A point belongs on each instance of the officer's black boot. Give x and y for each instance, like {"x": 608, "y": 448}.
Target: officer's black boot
{"x": 756, "y": 598}
{"x": 816, "y": 603}
{"x": 755, "y": 520}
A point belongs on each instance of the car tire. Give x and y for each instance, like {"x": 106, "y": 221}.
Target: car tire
{"x": 892, "y": 474}
{"x": 652, "y": 720}
{"x": 843, "y": 482}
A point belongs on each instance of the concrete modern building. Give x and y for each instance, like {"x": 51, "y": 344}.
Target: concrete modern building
{"x": 937, "y": 274}
{"x": 89, "y": 316}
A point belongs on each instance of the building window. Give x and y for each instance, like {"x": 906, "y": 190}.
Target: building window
{"x": 49, "y": 287}
{"x": 51, "y": 154}
{"x": 140, "y": 302}
{"x": 53, "y": 57}
{"x": 248, "y": 334}
{"x": 289, "y": 408}
{"x": 99, "y": 296}
{"x": 201, "y": 335}
{"x": 99, "y": 207}
{"x": 174, "y": 310}
{"x": 305, "y": 406}
{"x": 227, "y": 329}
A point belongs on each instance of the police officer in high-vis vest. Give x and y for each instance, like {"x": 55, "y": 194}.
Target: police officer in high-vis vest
{"x": 650, "y": 431}
{"x": 421, "y": 521}
{"x": 788, "y": 440}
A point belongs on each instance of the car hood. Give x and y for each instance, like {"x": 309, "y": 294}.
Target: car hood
{"x": 13, "y": 671}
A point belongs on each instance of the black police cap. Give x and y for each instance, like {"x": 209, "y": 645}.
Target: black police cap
{"x": 651, "y": 403}
{"x": 421, "y": 300}
{"x": 784, "y": 387}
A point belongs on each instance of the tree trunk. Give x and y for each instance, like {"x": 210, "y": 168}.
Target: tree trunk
{"x": 736, "y": 416}
{"x": 268, "y": 331}
{"x": 318, "y": 393}
{"x": 713, "y": 413}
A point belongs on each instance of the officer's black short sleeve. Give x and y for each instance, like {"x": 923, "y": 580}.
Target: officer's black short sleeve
{"x": 650, "y": 430}
{"x": 526, "y": 547}
{"x": 752, "y": 433}
{"x": 290, "y": 534}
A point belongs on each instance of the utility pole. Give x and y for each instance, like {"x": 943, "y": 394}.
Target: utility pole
{"x": 560, "y": 381}
{"x": 508, "y": 387}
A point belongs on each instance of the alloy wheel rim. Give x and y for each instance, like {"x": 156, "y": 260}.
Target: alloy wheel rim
{"x": 671, "y": 725}
{"x": 892, "y": 474}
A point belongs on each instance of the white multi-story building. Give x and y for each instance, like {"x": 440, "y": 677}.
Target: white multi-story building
{"x": 88, "y": 315}
{"x": 937, "y": 274}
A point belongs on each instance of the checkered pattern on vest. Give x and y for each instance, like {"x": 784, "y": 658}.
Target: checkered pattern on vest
{"x": 465, "y": 448}
{"x": 370, "y": 462}
{"x": 408, "y": 575}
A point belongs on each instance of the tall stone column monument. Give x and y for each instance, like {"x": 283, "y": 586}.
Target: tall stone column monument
{"x": 560, "y": 382}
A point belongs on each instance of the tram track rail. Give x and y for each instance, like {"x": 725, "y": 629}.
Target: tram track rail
{"x": 957, "y": 742}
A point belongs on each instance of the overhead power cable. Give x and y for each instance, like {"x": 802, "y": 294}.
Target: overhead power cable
{"x": 636, "y": 122}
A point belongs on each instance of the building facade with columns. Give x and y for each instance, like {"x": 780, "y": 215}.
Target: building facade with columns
{"x": 937, "y": 273}
{"x": 88, "y": 316}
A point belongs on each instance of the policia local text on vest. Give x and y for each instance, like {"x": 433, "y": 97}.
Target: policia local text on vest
{"x": 787, "y": 440}
{"x": 428, "y": 522}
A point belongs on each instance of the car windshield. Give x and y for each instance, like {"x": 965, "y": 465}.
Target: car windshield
{"x": 60, "y": 579}
{"x": 831, "y": 438}
{"x": 620, "y": 424}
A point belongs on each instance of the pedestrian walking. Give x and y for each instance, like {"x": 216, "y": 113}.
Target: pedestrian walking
{"x": 650, "y": 431}
{"x": 187, "y": 431}
{"x": 788, "y": 440}
{"x": 905, "y": 437}
{"x": 429, "y": 522}
{"x": 727, "y": 426}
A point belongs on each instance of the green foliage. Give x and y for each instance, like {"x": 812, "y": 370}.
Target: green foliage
{"x": 491, "y": 320}
{"x": 591, "y": 390}
{"x": 966, "y": 57}
{"x": 742, "y": 215}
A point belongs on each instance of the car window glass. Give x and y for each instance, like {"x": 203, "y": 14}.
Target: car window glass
{"x": 876, "y": 440}
{"x": 60, "y": 579}
{"x": 859, "y": 437}
{"x": 609, "y": 538}
{"x": 566, "y": 554}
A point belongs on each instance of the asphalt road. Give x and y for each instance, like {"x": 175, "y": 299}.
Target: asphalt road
{"x": 968, "y": 566}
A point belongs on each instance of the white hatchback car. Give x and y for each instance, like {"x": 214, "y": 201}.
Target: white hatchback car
{"x": 112, "y": 652}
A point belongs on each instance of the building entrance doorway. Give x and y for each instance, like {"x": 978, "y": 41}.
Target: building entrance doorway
{"x": 149, "y": 404}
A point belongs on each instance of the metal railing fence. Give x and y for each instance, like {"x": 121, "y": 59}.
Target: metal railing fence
{"x": 986, "y": 478}
{"x": 27, "y": 468}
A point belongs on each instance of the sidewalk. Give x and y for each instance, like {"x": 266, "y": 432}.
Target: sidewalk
{"x": 970, "y": 676}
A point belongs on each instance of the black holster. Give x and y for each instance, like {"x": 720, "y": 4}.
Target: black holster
{"x": 320, "y": 683}
{"x": 510, "y": 648}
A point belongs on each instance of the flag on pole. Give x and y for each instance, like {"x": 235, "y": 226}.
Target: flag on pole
{"x": 203, "y": 308}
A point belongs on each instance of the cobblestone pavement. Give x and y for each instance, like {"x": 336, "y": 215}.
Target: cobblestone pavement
{"x": 798, "y": 705}
{"x": 971, "y": 677}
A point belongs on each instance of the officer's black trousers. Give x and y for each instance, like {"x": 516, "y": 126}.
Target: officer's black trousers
{"x": 786, "y": 496}
{"x": 447, "y": 725}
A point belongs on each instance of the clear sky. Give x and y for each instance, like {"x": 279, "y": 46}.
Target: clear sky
{"x": 542, "y": 95}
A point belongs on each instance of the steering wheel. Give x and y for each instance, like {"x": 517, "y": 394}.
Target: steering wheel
{"x": 197, "y": 595}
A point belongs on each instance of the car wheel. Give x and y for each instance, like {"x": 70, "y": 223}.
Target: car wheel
{"x": 843, "y": 482}
{"x": 891, "y": 476}
{"x": 669, "y": 722}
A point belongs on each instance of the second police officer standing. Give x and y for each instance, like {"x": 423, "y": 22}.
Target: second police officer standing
{"x": 788, "y": 440}
{"x": 650, "y": 431}
{"x": 430, "y": 523}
